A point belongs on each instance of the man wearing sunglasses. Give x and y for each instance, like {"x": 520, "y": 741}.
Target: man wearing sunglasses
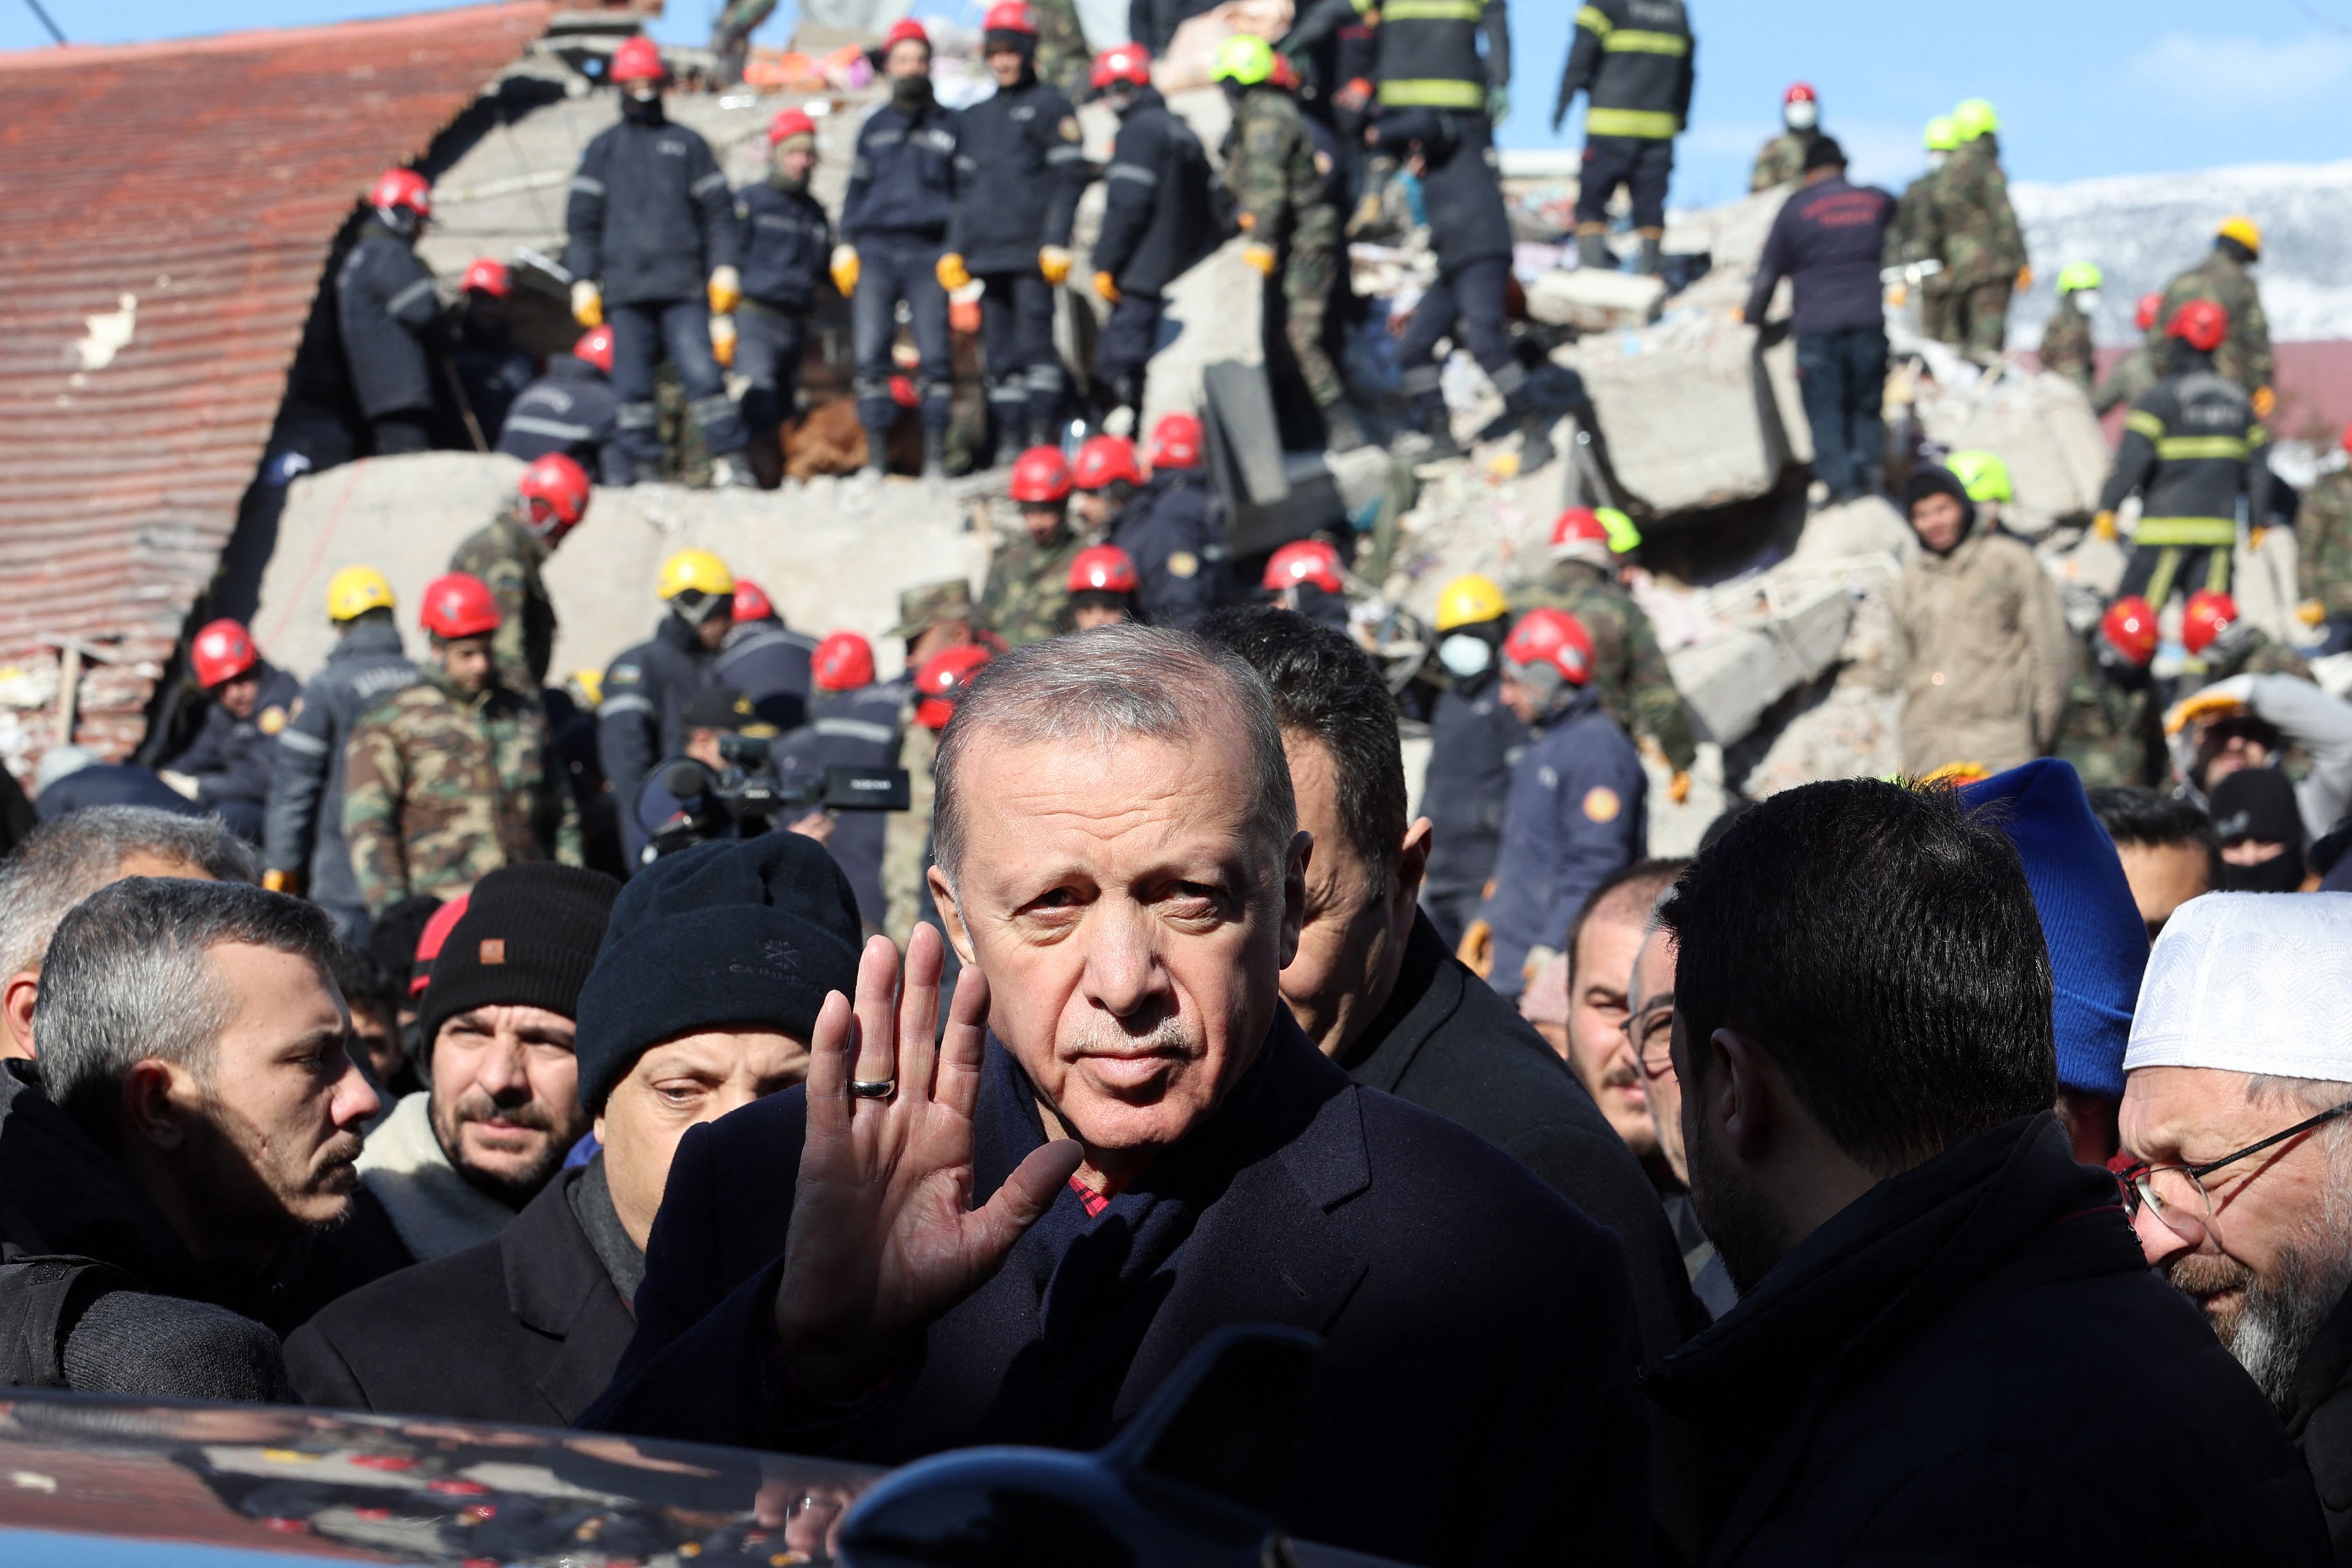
{"x": 2237, "y": 1170}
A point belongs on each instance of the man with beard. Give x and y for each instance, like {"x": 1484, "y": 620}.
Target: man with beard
{"x": 1944, "y": 1330}
{"x": 194, "y": 1117}
{"x": 2236, "y": 1092}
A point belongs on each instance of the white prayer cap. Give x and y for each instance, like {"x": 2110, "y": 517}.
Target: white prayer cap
{"x": 2253, "y": 982}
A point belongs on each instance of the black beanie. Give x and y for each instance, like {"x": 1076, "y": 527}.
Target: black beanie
{"x": 753, "y": 932}
{"x": 1933, "y": 480}
{"x": 528, "y": 939}
{"x": 2257, "y": 803}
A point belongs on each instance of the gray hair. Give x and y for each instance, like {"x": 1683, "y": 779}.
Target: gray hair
{"x": 1105, "y": 686}
{"x": 61, "y": 863}
{"x": 127, "y": 979}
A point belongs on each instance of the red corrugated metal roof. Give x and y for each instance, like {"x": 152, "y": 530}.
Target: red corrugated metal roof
{"x": 185, "y": 193}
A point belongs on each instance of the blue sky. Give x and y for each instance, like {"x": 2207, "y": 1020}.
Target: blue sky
{"x": 2112, "y": 87}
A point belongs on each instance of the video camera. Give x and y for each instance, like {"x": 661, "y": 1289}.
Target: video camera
{"x": 757, "y": 785}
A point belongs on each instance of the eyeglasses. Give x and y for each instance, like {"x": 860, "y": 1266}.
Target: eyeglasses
{"x": 1651, "y": 1032}
{"x": 2176, "y": 1195}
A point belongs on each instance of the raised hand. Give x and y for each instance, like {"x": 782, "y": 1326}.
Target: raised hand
{"x": 883, "y": 1237}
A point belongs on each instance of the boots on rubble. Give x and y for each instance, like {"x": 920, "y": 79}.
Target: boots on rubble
{"x": 1652, "y": 259}
{"x": 1592, "y": 251}
{"x": 935, "y": 453}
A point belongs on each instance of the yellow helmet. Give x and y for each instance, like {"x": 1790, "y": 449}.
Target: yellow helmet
{"x": 354, "y": 591}
{"x": 1623, "y": 537}
{"x": 1942, "y": 134}
{"x": 2244, "y": 231}
{"x": 1246, "y": 59}
{"x": 587, "y": 687}
{"x": 1975, "y": 118}
{"x": 1984, "y": 475}
{"x": 698, "y": 569}
{"x": 1467, "y": 601}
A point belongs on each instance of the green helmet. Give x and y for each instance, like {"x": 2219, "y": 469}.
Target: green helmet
{"x": 1975, "y": 118}
{"x": 1246, "y": 59}
{"x": 1982, "y": 475}
{"x": 1623, "y": 537}
{"x": 1942, "y": 135}
{"x": 2077, "y": 275}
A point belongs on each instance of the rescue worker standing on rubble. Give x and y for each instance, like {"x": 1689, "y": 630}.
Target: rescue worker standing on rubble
{"x": 2114, "y": 732}
{"x": 787, "y": 244}
{"x": 642, "y": 716}
{"x": 852, "y": 723}
{"x": 894, "y": 228}
{"x": 491, "y": 371}
{"x": 506, "y": 554}
{"x": 2324, "y": 546}
{"x": 654, "y": 249}
{"x": 2136, "y": 371}
{"x": 389, "y": 309}
{"x": 1911, "y": 242}
{"x": 1782, "y": 160}
{"x": 1473, "y": 739}
{"x": 2193, "y": 450}
{"x": 226, "y": 769}
{"x": 1159, "y": 219}
{"x": 2067, "y": 348}
{"x": 1979, "y": 243}
{"x": 1636, "y": 62}
{"x": 1028, "y": 575}
{"x": 571, "y": 410}
{"x": 303, "y": 850}
{"x": 1020, "y": 167}
{"x": 1167, "y": 528}
{"x": 454, "y": 776}
{"x": 2225, "y": 277}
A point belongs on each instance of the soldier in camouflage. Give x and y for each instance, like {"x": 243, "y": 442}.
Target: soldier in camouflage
{"x": 2224, "y": 278}
{"x": 507, "y": 554}
{"x": 931, "y": 618}
{"x": 730, "y": 35}
{"x": 2324, "y": 539}
{"x": 1980, "y": 245}
{"x": 2113, "y": 732}
{"x": 449, "y": 779}
{"x": 1782, "y": 160}
{"x": 1028, "y": 594}
{"x": 2067, "y": 348}
{"x": 1063, "y": 60}
{"x": 1911, "y": 237}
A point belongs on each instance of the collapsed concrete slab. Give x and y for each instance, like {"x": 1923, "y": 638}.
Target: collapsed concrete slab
{"x": 1593, "y": 300}
{"x": 1730, "y": 682}
{"x": 1687, "y": 410}
{"x": 2040, "y": 424}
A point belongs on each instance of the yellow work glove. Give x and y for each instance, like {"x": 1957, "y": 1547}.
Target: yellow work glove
{"x": 2254, "y": 538}
{"x": 587, "y": 304}
{"x": 2265, "y": 400}
{"x": 1477, "y": 949}
{"x": 1055, "y": 263}
{"x": 1537, "y": 958}
{"x": 953, "y": 273}
{"x": 722, "y": 341}
{"x": 2103, "y": 526}
{"x": 1261, "y": 258}
{"x": 725, "y": 291}
{"x": 845, "y": 269}
{"x": 2213, "y": 702}
{"x": 283, "y": 883}
{"x": 2024, "y": 278}
{"x": 1678, "y": 786}
{"x": 2311, "y": 613}
{"x": 1108, "y": 287}
{"x": 1898, "y": 295}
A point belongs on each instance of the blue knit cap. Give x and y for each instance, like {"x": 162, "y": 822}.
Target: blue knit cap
{"x": 2098, "y": 943}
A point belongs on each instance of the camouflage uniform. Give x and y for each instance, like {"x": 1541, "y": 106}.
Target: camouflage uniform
{"x": 730, "y": 35}
{"x": 2243, "y": 651}
{"x": 1911, "y": 239}
{"x": 1280, "y": 191}
{"x": 2067, "y": 347}
{"x": 1781, "y": 162}
{"x": 2113, "y": 732}
{"x": 506, "y": 556}
{"x": 1028, "y": 588}
{"x": 906, "y": 837}
{"x": 2244, "y": 355}
{"x": 2134, "y": 373}
{"x": 1980, "y": 245}
{"x": 442, "y": 788}
{"x": 1062, "y": 58}
{"x": 2323, "y": 542}
{"x": 1628, "y": 671}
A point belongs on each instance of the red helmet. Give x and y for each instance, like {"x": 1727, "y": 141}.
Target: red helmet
{"x": 790, "y": 123}
{"x": 489, "y": 276}
{"x": 752, "y": 602}
{"x": 1040, "y": 477}
{"x": 595, "y": 346}
{"x": 906, "y": 31}
{"x": 1009, "y": 17}
{"x": 1305, "y": 561}
{"x": 843, "y": 662}
{"x": 939, "y": 684}
{"x": 554, "y": 495}
{"x": 1553, "y": 640}
{"x": 1129, "y": 63}
{"x": 1176, "y": 442}
{"x": 1103, "y": 569}
{"x": 2144, "y": 317}
{"x": 431, "y": 940}
{"x": 222, "y": 651}
{"x": 2208, "y": 614}
{"x": 2200, "y": 323}
{"x": 458, "y": 606}
{"x": 1285, "y": 75}
{"x": 1104, "y": 461}
{"x": 402, "y": 188}
{"x": 1803, "y": 92}
{"x": 637, "y": 60}
{"x": 1580, "y": 525}
{"x": 2129, "y": 626}
{"x": 2347, "y": 437}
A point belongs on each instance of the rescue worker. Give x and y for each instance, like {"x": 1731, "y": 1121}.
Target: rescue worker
{"x": 1473, "y": 739}
{"x": 453, "y": 776}
{"x": 1635, "y": 60}
{"x": 1578, "y": 808}
{"x": 491, "y": 371}
{"x": 1978, "y": 241}
{"x": 1158, "y": 220}
{"x": 2225, "y": 278}
{"x": 933, "y": 617}
{"x": 1629, "y": 675}
{"x": 2114, "y": 732}
{"x": 507, "y": 554}
{"x": 1028, "y": 575}
{"x": 2193, "y": 448}
{"x": 1911, "y": 242}
{"x": 787, "y": 246}
{"x": 1106, "y": 478}
{"x": 1306, "y": 575}
{"x": 894, "y": 226}
{"x": 2323, "y": 532}
{"x": 766, "y": 660}
{"x": 1102, "y": 588}
{"x": 2136, "y": 371}
{"x": 936, "y": 622}
{"x": 1284, "y": 211}
{"x": 2067, "y": 347}
{"x": 226, "y": 769}
{"x": 1986, "y": 478}
{"x": 642, "y": 716}
{"x": 1783, "y": 157}
{"x": 389, "y": 309}
{"x": 654, "y": 249}
{"x": 853, "y": 723}
{"x": 303, "y": 851}
{"x": 573, "y": 410}
{"x": 1169, "y": 528}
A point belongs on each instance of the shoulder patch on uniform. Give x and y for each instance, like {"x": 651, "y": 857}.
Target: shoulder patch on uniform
{"x": 1069, "y": 128}
{"x": 1322, "y": 163}
{"x": 272, "y": 720}
{"x": 1184, "y": 564}
{"x": 1601, "y": 805}
{"x": 623, "y": 672}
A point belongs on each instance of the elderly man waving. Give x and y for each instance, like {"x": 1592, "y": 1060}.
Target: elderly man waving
{"x": 1121, "y": 1143}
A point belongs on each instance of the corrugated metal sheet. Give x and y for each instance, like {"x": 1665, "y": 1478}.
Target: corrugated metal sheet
{"x": 168, "y": 209}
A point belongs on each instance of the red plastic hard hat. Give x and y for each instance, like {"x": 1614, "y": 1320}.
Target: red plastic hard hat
{"x": 489, "y": 276}
{"x": 906, "y": 31}
{"x": 402, "y": 188}
{"x": 752, "y": 602}
{"x": 1103, "y": 569}
{"x": 1129, "y": 63}
{"x": 1285, "y": 75}
{"x": 222, "y": 651}
{"x": 430, "y": 943}
{"x": 1040, "y": 477}
{"x": 1580, "y": 525}
{"x": 2200, "y": 323}
{"x": 2144, "y": 317}
{"x": 843, "y": 662}
{"x": 1305, "y": 561}
{"x": 595, "y": 346}
{"x": 554, "y": 491}
{"x": 941, "y": 683}
{"x": 790, "y": 123}
{"x": 458, "y": 606}
{"x": 1803, "y": 92}
{"x": 638, "y": 59}
{"x": 1106, "y": 460}
{"x": 2347, "y": 437}
{"x": 2129, "y": 626}
{"x": 1176, "y": 442}
{"x": 1009, "y": 17}
{"x": 1552, "y": 639}
{"x": 2208, "y": 614}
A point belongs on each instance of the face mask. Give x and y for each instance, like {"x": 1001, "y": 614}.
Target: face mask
{"x": 643, "y": 110}
{"x": 910, "y": 92}
{"x": 2087, "y": 301}
{"x": 1464, "y": 656}
{"x": 1803, "y": 116}
{"x": 1938, "y": 160}
{"x": 2281, "y": 873}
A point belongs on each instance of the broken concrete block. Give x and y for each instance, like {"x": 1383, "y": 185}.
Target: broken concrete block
{"x": 2041, "y": 426}
{"x": 1728, "y": 683}
{"x": 1594, "y": 299}
{"x": 1685, "y": 408}
{"x": 1733, "y": 234}
{"x": 1788, "y": 399}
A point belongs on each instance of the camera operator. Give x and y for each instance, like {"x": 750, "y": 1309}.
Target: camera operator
{"x": 698, "y": 796}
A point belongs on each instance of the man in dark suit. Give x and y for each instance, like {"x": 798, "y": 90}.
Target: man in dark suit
{"x": 1016, "y": 1238}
